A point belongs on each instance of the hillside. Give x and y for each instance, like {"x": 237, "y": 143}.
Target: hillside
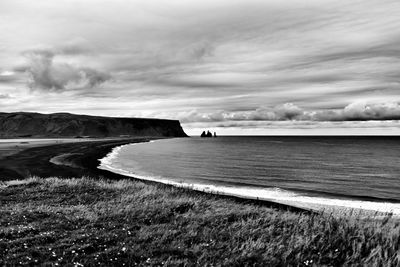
{"x": 103, "y": 222}
{"x": 23, "y": 124}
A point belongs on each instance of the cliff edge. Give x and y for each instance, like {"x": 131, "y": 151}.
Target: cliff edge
{"x": 25, "y": 124}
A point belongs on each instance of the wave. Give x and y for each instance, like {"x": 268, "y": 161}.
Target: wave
{"x": 275, "y": 194}
{"x": 108, "y": 159}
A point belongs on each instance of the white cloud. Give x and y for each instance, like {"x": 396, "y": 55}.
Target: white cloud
{"x": 226, "y": 60}
{"x": 359, "y": 111}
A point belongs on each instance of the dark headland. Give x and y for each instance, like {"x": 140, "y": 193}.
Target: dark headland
{"x": 78, "y": 215}
{"x": 25, "y": 124}
{"x": 80, "y": 157}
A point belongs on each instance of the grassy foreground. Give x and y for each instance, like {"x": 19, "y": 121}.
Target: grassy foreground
{"x": 102, "y": 222}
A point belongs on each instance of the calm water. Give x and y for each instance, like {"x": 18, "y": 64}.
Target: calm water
{"x": 346, "y": 168}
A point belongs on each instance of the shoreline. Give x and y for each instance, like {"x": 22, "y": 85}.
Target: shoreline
{"x": 82, "y": 159}
{"x": 103, "y": 218}
{"x": 319, "y": 204}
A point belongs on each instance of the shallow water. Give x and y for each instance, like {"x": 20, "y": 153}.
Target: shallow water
{"x": 355, "y": 172}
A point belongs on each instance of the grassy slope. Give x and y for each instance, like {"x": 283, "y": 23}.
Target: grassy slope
{"x": 91, "y": 222}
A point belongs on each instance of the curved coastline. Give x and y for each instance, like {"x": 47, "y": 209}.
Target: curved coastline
{"x": 272, "y": 195}
{"x": 136, "y": 218}
{"x": 82, "y": 160}
{"x": 63, "y": 160}
{"x": 36, "y": 162}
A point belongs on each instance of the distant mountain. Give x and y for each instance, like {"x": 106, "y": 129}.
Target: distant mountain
{"x": 24, "y": 124}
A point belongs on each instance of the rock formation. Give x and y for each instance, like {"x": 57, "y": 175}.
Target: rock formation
{"x": 208, "y": 134}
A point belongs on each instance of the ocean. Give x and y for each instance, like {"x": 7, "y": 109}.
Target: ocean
{"x": 351, "y": 172}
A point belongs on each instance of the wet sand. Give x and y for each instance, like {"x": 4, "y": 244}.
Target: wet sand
{"x": 9, "y": 147}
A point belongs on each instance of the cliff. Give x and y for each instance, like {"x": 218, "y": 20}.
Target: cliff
{"x": 23, "y": 124}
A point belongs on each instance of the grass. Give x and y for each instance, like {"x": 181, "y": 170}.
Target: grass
{"x": 126, "y": 223}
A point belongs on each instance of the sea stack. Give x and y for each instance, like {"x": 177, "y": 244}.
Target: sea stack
{"x": 208, "y": 134}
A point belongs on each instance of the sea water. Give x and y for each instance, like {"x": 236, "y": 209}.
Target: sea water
{"x": 351, "y": 172}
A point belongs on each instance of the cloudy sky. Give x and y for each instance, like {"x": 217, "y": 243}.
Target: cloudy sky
{"x": 233, "y": 66}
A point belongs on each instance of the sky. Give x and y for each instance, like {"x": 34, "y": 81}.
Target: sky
{"x": 232, "y": 66}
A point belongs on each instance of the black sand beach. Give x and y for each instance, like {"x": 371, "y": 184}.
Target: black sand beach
{"x": 74, "y": 159}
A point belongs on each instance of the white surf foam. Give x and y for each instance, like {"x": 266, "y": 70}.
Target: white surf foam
{"x": 268, "y": 194}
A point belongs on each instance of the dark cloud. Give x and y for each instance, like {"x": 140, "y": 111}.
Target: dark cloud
{"x": 193, "y": 83}
{"x": 5, "y": 96}
{"x": 7, "y": 78}
{"x": 377, "y": 111}
{"x": 200, "y": 50}
{"x": 288, "y": 111}
{"x": 94, "y": 77}
{"x": 49, "y": 75}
